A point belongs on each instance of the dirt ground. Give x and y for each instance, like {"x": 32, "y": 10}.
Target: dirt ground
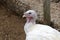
{"x": 11, "y": 26}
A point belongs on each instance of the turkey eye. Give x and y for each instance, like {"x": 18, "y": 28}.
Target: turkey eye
{"x": 29, "y": 13}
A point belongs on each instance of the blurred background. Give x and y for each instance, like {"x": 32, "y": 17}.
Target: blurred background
{"x": 12, "y": 23}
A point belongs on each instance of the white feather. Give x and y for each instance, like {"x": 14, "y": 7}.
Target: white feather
{"x": 40, "y": 32}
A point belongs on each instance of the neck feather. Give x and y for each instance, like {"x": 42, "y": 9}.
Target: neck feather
{"x": 29, "y": 24}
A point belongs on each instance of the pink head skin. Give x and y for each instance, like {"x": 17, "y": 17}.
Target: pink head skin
{"x": 30, "y": 15}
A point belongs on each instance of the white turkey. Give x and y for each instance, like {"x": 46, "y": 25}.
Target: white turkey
{"x": 38, "y": 31}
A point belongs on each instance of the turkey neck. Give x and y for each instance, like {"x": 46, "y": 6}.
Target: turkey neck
{"x": 31, "y": 20}
{"x": 29, "y": 23}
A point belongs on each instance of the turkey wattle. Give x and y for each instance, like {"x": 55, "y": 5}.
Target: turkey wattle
{"x": 38, "y": 31}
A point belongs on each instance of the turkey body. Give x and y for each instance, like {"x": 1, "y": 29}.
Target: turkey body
{"x": 42, "y": 32}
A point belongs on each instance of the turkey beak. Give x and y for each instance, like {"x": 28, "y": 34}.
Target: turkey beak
{"x": 24, "y": 16}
